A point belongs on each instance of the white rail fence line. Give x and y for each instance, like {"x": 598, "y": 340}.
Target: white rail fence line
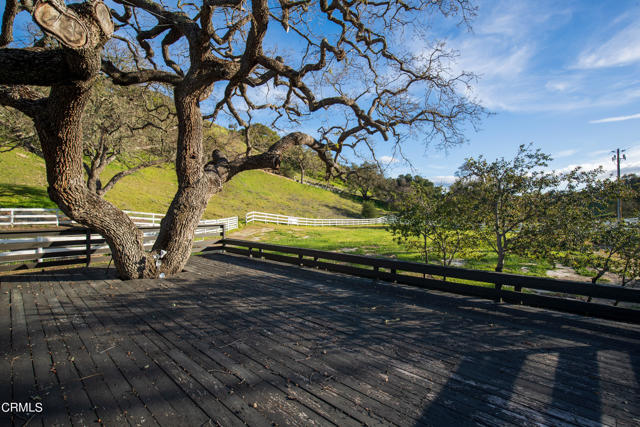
{"x": 73, "y": 246}
{"x": 294, "y": 220}
{"x": 44, "y": 216}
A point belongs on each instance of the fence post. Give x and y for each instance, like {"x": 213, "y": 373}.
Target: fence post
{"x": 40, "y": 250}
{"x": 11, "y": 215}
{"x": 88, "y": 247}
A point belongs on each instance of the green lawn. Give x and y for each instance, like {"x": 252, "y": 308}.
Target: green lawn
{"x": 23, "y": 184}
{"x": 375, "y": 240}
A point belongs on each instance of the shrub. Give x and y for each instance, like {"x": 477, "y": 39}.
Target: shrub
{"x": 369, "y": 209}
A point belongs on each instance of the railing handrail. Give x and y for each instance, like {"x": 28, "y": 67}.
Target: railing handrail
{"x": 499, "y": 280}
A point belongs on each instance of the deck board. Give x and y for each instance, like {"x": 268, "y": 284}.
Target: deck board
{"x": 234, "y": 341}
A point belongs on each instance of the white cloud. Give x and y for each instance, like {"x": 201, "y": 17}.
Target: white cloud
{"x": 616, "y": 119}
{"x": 630, "y": 165}
{"x": 388, "y": 159}
{"x": 623, "y": 48}
{"x": 509, "y": 48}
{"x": 443, "y": 179}
{"x": 564, "y": 153}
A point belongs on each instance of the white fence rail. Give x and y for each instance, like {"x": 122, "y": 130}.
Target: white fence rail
{"x": 66, "y": 246}
{"x": 42, "y": 216}
{"x": 317, "y": 222}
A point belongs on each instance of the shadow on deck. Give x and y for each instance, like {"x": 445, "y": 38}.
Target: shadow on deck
{"x": 234, "y": 341}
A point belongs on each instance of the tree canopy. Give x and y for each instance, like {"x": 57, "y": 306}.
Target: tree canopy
{"x": 372, "y": 64}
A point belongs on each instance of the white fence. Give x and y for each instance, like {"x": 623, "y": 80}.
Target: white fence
{"x": 66, "y": 246}
{"x": 294, "y": 220}
{"x": 41, "y": 216}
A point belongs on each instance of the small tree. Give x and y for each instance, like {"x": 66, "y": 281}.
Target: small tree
{"x": 303, "y": 160}
{"x": 432, "y": 220}
{"x": 365, "y": 179}
{"x": 506, "y": 196}
{"x": 369, "y": 209}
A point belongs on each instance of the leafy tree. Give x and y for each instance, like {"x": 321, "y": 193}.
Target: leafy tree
{"x": 365, "y": 179}
{"x": 580, "y": 230}
{"x": 221, "y": 56}
{"x": 631, "y": 206}
{"x": 302, "y": 159}
{"x": 433, "y": 221}
{"x": 506, "y": 196}
{"x": 397, "y": 188}
{"x": 629, "y": 265}
{"x": 369, "y": 209}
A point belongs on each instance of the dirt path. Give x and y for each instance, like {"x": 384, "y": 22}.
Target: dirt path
{"x": 563, "y": 272}
{"x": 250, "y": 233}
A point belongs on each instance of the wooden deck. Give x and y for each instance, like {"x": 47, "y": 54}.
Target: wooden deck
{"x": 235, "y": 341}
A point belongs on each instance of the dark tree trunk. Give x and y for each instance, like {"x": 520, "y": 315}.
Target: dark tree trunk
{"x": 60, "y": 132}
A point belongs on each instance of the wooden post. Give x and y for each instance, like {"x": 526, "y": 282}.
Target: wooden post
{"x": 260, "y": 253}
{"x": 498, "y": 287}
{"x": 300, "y": 260}
{"x": 376, "y": 269}
{"x": 223, "y": 235}
{"x": 88, "y": 247}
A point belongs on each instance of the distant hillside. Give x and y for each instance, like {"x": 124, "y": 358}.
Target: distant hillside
{"x": 23, "y": 184}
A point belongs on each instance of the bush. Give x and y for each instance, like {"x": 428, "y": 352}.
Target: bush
{"x": 369, "y": 209}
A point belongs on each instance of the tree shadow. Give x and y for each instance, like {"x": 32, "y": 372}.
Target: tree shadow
{"x": 374, "y": 352}
{"x": 28, "y": 196}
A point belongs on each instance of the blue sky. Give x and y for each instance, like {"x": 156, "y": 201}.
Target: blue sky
{"x": 563, "y": 75}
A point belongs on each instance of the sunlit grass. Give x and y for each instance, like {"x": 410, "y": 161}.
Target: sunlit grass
{"x": 376, "y": 241}
{"x": 23, "y": 184}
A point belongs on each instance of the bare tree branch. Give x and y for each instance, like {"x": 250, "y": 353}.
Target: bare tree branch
{"x": 10, "y": 12}
{"x": 21, "y": 98}
{"x": 126, "y": 78}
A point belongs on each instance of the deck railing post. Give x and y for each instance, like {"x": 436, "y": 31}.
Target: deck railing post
{"x": 498, "y": 287}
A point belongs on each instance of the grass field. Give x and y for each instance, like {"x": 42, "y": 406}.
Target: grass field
{"x": 376, "y": 241}
{"x": 23, "y": 184}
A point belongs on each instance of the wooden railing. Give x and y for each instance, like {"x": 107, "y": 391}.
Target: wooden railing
{"x": 317, "y": 222}
{"x": 517, "y": 289}
{"x": 41, "y": 248}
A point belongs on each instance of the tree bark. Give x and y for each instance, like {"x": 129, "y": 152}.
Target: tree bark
{"x": 60, "y": 132}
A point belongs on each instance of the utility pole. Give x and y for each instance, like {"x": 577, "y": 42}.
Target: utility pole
{"x": 616, "y": 158}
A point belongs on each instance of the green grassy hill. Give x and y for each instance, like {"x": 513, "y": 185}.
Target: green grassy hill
{"x": 23, "y": 184}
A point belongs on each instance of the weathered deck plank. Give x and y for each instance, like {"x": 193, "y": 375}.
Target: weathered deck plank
{"x": 235, "y": 341}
